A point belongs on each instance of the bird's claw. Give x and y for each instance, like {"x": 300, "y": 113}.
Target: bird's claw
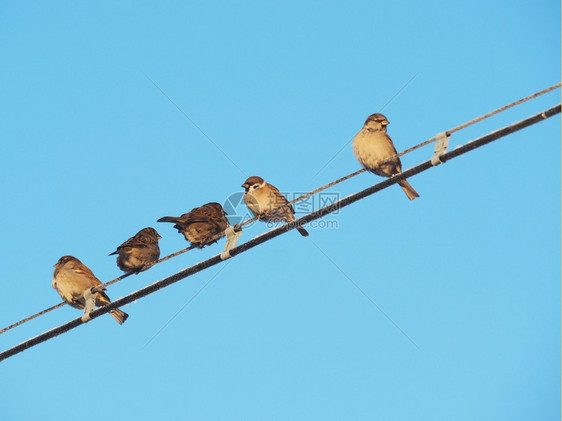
{"x": 264, "y": 215}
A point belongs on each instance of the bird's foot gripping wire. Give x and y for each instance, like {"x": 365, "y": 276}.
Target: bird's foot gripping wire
{"x": 232, "y": 235}
{"x": 263, "y": 215}
{"x": 90, "y": 303}
{"x": 440, "y": 147}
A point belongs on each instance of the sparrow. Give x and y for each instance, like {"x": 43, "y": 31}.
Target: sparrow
{"x": 201, "y": 226}
{"x": 72, "y": 278}
{"x": 372, "y": 145}
{"x": 263, "y": 200}
{"x": 140, "y": 252}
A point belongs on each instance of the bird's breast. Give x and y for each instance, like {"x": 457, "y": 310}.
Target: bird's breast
{"x": 255, "y": 202}
{"x": 372, "y": 147}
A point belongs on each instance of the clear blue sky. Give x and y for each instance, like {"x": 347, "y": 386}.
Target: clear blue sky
{"x": 92, "y": 152}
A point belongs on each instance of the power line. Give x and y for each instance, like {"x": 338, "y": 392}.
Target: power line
{"x": 275, "y": 232}
{"x": 311, "y": 193}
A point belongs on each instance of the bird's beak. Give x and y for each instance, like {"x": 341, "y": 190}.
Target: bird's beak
{"x": 385, "y": 123}
{"x": 159, "y": 236}
{"x": 245, "y": 185}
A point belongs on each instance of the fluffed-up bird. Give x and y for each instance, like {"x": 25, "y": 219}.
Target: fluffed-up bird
{"x": 140, "y": 252}
{"x": 267, "y": 203}
{"x": 201, "y": 226}
{"x": 72, "y": 278}
{"x": 372, "y": 145}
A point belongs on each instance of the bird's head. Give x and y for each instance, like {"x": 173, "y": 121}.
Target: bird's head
{"x": 150, "y": 232}
{"x": 376, "y": 122}
{"x": 253, "y": 183}
{"x": 216, "y": 208}
{"x": 64, "y": 260}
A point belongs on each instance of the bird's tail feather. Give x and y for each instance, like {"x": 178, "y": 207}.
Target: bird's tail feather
{"x": 168, "y": 219}
{"x": 119, "y": 315}
{"x": 408, "y": 189}
{"x": 302, "y": 231}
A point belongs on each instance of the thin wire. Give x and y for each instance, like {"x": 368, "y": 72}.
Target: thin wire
{"x": 476, "y": 120}
{"x": 163, "y": 259}
{"x": 326, "y": 186}
{"x": 195, "y": 124}
{"x": 350, "y": 140}
{"x": 102, "y": 286}
{"x": 398, "y": 93}
{"x": 275, "y": 232}
{"x": 27, "y": 319}
{"x": 499, "y": 110}
{"x": 365, "y": 295}
{"x": 187, "y": 303}
{"x": 304, "y": 196}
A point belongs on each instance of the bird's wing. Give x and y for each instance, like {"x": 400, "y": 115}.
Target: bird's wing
{"x": 279, "y": 199}
{"x": 391, "y": 143}
{"x": 82, "y": 273}
{"x": 138, "y": 241}
{"x": 211, "y": 212}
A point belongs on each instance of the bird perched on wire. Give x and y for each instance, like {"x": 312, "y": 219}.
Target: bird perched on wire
{"x": 201, "y": 226}
{"x": 372, "y": 145}
{"x": 72, "y": 278}
{"x": 140, "y": 252}
{"x": 267, "y": 203}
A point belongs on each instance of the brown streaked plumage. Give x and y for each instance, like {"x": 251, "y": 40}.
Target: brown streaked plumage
{"x": 140, "y": 252}
{"x": 372, "y": 145}
{"x": 72, "y": 278}
{"x": 264, "y": 201}
{"x": 201, "y": 226}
